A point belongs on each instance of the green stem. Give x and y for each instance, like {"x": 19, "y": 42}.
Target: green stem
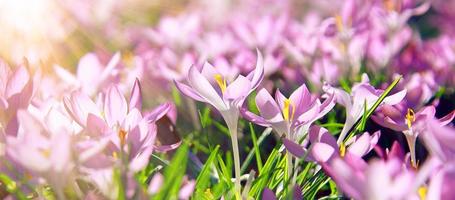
{"x": 235, "y": 150}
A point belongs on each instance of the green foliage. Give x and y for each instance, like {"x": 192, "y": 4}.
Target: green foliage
{"x": 173, "y": 175}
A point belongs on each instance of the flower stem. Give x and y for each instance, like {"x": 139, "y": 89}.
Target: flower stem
{"x": 411, "y": 139}
{"x": 235, "y": 150}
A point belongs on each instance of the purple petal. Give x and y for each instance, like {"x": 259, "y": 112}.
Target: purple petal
{"x": 320, "y": 134}
{"x": 79, "y": 105}
{"x": 95, "y": 125}
{"x": 254, "y": 118}
{"x": 187, "y": 190}
{"x": 323, "y": 152}
{"x": 115, "y": 106}
{"x": 158, "y": 112}
{"x": 395, "y": 98}
{"x": 188, "y": 91}
{"x": 268, "y": 194}
{"x": 258, "y": 71}
{"x": 169, "y": 147}
{"x": 239, "y": 89}
{"x": 136, "y": 96}
{"x": 294, "y": 148}
{"x": 203, "y": 87}
{"x": 267, "y": 106}
{"x": 447, "y": 119}
{"x": 17, "y": 82}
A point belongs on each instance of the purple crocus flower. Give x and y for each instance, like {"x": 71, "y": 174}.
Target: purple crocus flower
{"x": 378, "y": 180}
{"x": 287, "y": 115}
{"x": 362, "y": 94}
{"x": 42, "y": 149}
{"x": 403, "y": 119}
{"x": 122, "y": 123}
{"x": 438, "y": 139}
{"x": 210, "y": 86}
{"x": 323, "y": 146}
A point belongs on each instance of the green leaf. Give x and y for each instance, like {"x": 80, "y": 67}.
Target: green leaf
{"x": 253, "y": 153}
{"x": 374, "y": 107}
{"x": 257, "y": 152}
{"x": 204, "y": 117}
{"x": 173, "y": 174}
{"x": 11, "y": 186}
{"x": 265, "y": 174}
{"x": 203, "y": 180}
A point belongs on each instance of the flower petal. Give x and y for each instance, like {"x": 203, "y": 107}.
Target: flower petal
{"x": 294, "y": 148}
{"x": 115, "y": 106}
{"x": 136, "y": 96}
{"x": 188, "y": 91}
{"x": 203, "y": 87}
{"x": 267, "y": 106}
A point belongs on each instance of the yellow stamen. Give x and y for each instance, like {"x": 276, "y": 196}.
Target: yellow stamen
{"x": 221, "y": 82}
{"x": 115, "y": 155}
{"x": 342, "y": 149}
{"x": 287, "y": 113}
{"x": 339, "y": 23}
{"x": 128, "y": 58}
{"x": 422, "y": 191}
{"x": 389, "y": 5}
{"x": 122, "y": 135}
{"x": 46, "y": 153}
{"x": 410, "y": 117}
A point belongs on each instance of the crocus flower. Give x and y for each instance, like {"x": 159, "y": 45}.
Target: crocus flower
{"x": 323, "y": 146}
{"x": 403, "y": 119}
{"x": 362, "y": 94}
{"x": 121, "y": 122}
{"x": 43, "y": 150}
{"x": 377, "y": 180}
{"x": 286, "y": 115}
{"x": 210, "y": 86}
{"x": 438, "y": 139}
{"x": 227, "y": 98}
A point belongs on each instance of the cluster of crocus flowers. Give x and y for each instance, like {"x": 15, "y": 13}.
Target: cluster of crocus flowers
{"x": 60, "y": 131}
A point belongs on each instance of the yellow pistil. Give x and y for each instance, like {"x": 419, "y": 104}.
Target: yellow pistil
{"x": 339, "y": 23}
{"x": 287, "y": 113}
{"x": 221, "y": 82}
{"x": 342, "y": 149}
{"x": 422, "y": 191}
{"x": 410, "y": 117}
{"x": 115, "y": 154}
{"x": 122, "y": 135}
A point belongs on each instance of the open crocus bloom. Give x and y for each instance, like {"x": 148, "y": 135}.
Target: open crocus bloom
{"x": 362, "y": 94}
{"x": 324, "y": 147}
{"x": 210, "y": 86}
{"x": 122, "y": 123}
{"x": 400, "y": 118}
{"x": 286, "y": 115}
{"x": 43, "y": 149}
